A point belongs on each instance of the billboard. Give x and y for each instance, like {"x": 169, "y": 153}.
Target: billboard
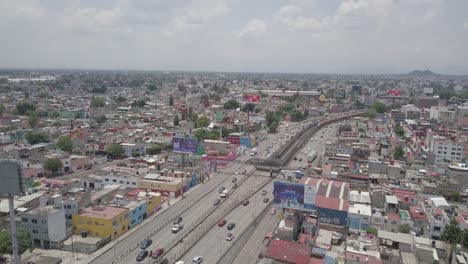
{"x": 10, "y": 175}
{"x": 394, "y": 93}
{"x": 253, "y": 98}
{"x": 184, "y": 145}
{"x": 310, "y": 196}
{"x": 289, "y": 195}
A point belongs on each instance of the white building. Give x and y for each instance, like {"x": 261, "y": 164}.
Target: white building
{"x": 445, "y": 149}
{"x": 442, "y": 114}
{"x": 437, "y": 208}
{"x": 123, "y": 180}
{"x": 359, "y": 216}
{"x": 47, "y": 225}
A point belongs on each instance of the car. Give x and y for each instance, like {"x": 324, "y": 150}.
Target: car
{"x": 300, "y": 159}
{"x": 295, "y": 158}
{"x": 231, "y": 226}
{"x": 177, "y": 220}
{"x": 244, "y": 171}
{"x": 197, "y": 260}
{"x": 264, "y": 192}
{"x": 237, "y": 172}
{"x": 229, "y": 237}
{"x": 221, "y": 189}
{"x": 234, "y": 180}
{"x": 142, "y": 255}
{"x": 179, "y": 262}
{"x": 271, "y": 146}
{"x": 146, "y": 243}
{"x": 268, "y": 155}
{"x": 273, "y": 211}
{"x": 234, "y": 186}
{"x": 177, "y": 228}
{"x": 282, "y": 172}
{"x": 216, "y": 202}
{"x": 245, "y": 203}
{"x": 222, "y": 223}
{"x": 265, "y": 200}
{"x": 157, "y": 253}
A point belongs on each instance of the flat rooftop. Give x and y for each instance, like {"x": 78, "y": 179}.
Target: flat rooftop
{"x": 108, "y": 212}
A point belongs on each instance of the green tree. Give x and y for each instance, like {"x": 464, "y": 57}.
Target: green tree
{"x": 152, "y": 87}
{"x": 217, "y": 97}
{"x": 372, "y": 230}
{"x": 97, "y": 102}
{"x": 101, "y": 89}
{"x": 214, "y": 135}
{"x": 379, "y": 107}
{"x": 399, "y": 131}
{"x": 43, "y": 95}
{"x": 24, "y": 108}
{"x": 65, "y": 143}
{"x": 465, "y": 239}
{"x": 194, "y": 118}
{"x": 136, "y": 153}
{"x": 248, "y": 107}
{"x": 399, "y": 153}
{"x": 171, "y": 100}
{"x": 36, "y": 137}
{"x": 231, "y": 104}
{"x": 371, "y": 113}
{"x": 176, "y": 120}
{"x": 54, "y": 114}
{"x": 272, "y": 127}
{"x": 201, "y": 134}
{"x": 404, "y": 229}
{"x": 101, "y": 119}
{"x": 203, "y": 121}
{"x": 139, "y": 103}
{"x": 452, "y": 232}
{"x": 52, "y": 164}
{"x": 456, "y": 195}
{"x": 120, "y": 99}
{"x": 270, "y": 118}
{"x": 2, "y": 109}
{"x": 115, "y": 150}
{"x": 33, "y": 119}
{"x": 24, "y": 241}
{"x": 296, "y": 116}
{"x": 154, "y": 150}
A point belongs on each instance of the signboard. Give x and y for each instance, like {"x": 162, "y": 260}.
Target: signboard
{"x": 184, "y": 145}
{"x": 10, "y": 173}
{"x": 219, "y": 116}
{"x": 394, "y": 93}
{"x": 253, "y": 98}
{"x": 310, "y": 195}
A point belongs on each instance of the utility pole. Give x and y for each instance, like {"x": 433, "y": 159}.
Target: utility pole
{"x": 14, "y": 238}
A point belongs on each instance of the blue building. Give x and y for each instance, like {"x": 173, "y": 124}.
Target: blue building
{"x": 137, "y": 212}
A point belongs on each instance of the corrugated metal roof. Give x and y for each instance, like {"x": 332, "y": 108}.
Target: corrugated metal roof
{"x": 289, "y": 252}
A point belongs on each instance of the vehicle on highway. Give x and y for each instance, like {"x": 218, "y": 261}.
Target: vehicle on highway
{"x": 157, "y": 253}
{"x": 146, "y": 243}
{"x": 229, "y": 237}
{"x": 216, "y": 202}
{"x": 142, "y": 255}
{"x": 304, "y": 166}
{"x": 265, "y": 200}
{"x": 179, "y": 262}
{"x": 245, "y": 203}
{"x": 222, "y": 223}
{"x": 300, "y": 159}
{"x": 177, "y": 220}
{"x": 225, "y": 193}
{"x": 197, "y": 260}
{"x": 253, "y": 152}
{"x": 268, "y": 155}
{"x": 177, "y": 228}
{"x": 221, "y": 189}
{"x": 231, "y": 226}
{"x": 236, "y": 173}
{"x": 234, "y": 186}
{"x": 295, "y": 158}
{"x": 282, "y": 172}
{"x": 273, "y": 211}
{"x": 244, "y": 171}
{"x": 234, "y": 180}
{"x": 264, "y": 192}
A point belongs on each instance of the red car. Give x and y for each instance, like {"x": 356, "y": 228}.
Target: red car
{"x": 222, "y": 223}
{"x": 157, "y": 253}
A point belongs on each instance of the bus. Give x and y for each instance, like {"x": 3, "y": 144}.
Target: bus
{"x": 253, "y": 152}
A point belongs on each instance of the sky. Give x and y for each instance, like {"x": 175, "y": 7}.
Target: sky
{"x": 306, "y": 36}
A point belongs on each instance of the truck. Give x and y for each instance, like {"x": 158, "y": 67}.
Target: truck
{"x": 311, "y": 156}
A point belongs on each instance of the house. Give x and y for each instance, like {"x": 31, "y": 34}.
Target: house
{"x": 101, "y": 222}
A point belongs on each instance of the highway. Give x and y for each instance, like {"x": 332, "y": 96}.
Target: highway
{"x": 213, "y": 244}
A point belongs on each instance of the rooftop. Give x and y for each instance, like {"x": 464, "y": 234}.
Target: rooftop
{"x": 108, "y": 212}
{"x": 362, "y": 209}
{"x": 288, "y": 252}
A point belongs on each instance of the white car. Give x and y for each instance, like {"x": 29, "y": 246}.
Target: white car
{"x": 177, "y": 228}
{"x": 197, "y": 260}
{"x": 237, "y": 172}
{"x": 268, "y": 155}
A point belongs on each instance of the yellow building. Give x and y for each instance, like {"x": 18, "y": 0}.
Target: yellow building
{"x": 153, "y": 201}
{"x": 102, "y": 222}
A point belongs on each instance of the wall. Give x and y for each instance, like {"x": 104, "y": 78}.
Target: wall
{"x": 100, "y": 227}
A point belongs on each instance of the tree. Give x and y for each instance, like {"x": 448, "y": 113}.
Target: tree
{"x": 115, "y": 150}
{"x": 101, "y": 89}
{"x": 152, "y": 87}
{"x": 33, "y": 119}
{"x": 371, "y": 113}
{"x": 456, "y": 195}
{"x": 203, "y": 121}
{"x": 24, "y": 241}
{"x": 399, "y": 131}
{"x": 372, "y": 230}
{"x": 379, "y": 107}
{"x": 139, "y": 103}
{"x": 399, "y": 153}
{"x": 171, "y": 100}
{"x": 270, "y": 117}
{"x": 54, "y": 114}
{"x": 201, "y": 134}
{"x": 190, "y": 111}
{"x": 24, "y": 108}
{"x": 272, "y": 127}
{"x": 404, "y": 229}
{"x": 36, "y": 137}
{"x": 101, "y": 119}
{"x": 2, "y": 109}
{"x": 176, "y": 120}
{"x": 231, "y": 104}
{"x": 136, "y": 153}
{"x": 306, "y": 113}
{"x": 43, "y": 95}
{"x": 217, "y": 97}
{"x": 120, "y": 99}
{"x": 65, "y": 143}
{"x": 465, "y": 239}
{"x": 154, "y": 150}
{"x": 194, "y": 118}
{"x": 97, "y": 102}
{"x": 248, "y": 107}
{"x": 452, "y": 232}
{"x": 52, "y": 164}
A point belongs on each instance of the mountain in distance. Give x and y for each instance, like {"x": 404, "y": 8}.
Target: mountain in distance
{"x": 422, "y": 74}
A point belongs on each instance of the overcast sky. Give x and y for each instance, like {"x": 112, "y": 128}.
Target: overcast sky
{"x": 317, "y": 36}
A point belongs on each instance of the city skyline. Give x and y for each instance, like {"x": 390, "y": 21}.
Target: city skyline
{"x": 349, "y": 37}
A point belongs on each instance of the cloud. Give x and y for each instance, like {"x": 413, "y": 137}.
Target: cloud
{"x": 465, "y": 25}
{"x": 253, "y": 28}
{"x": 196, "y": 18}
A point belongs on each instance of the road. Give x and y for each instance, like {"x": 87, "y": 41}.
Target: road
{"x": 213, "y": 244}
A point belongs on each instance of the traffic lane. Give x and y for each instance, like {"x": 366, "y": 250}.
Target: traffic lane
{"x": 163, "y": 238}
{"x": 250, "y": 251}
{"x": 214, "y": 243}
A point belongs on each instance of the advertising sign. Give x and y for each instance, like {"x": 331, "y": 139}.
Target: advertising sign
{"x": 10, "y": 173}
{"x": 253, "y": 98}
{"x": 310, "y": 195}
{"x": 288, "y": 195}
{"x": 184, "y": 145}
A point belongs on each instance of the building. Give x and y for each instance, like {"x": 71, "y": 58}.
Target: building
{"x": 437, "y": 210}
{"x": 442, "y": 114}
{"x": 131, "y": 148}
{"x": 443, "y": 149}
{"x": 330, "y": 149}
{"x": 427, "y": 102}
{"x": 288, "y": 252}
{"x": 102, "y": 222}
{"x": 397, "y": 116}
{"x": 411, "y": 112}
{"x": 46, "y": 225}
{"x": 359, "y": 216}
{"x": 138, "y": 212}
{"x": 167, "y": 186}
